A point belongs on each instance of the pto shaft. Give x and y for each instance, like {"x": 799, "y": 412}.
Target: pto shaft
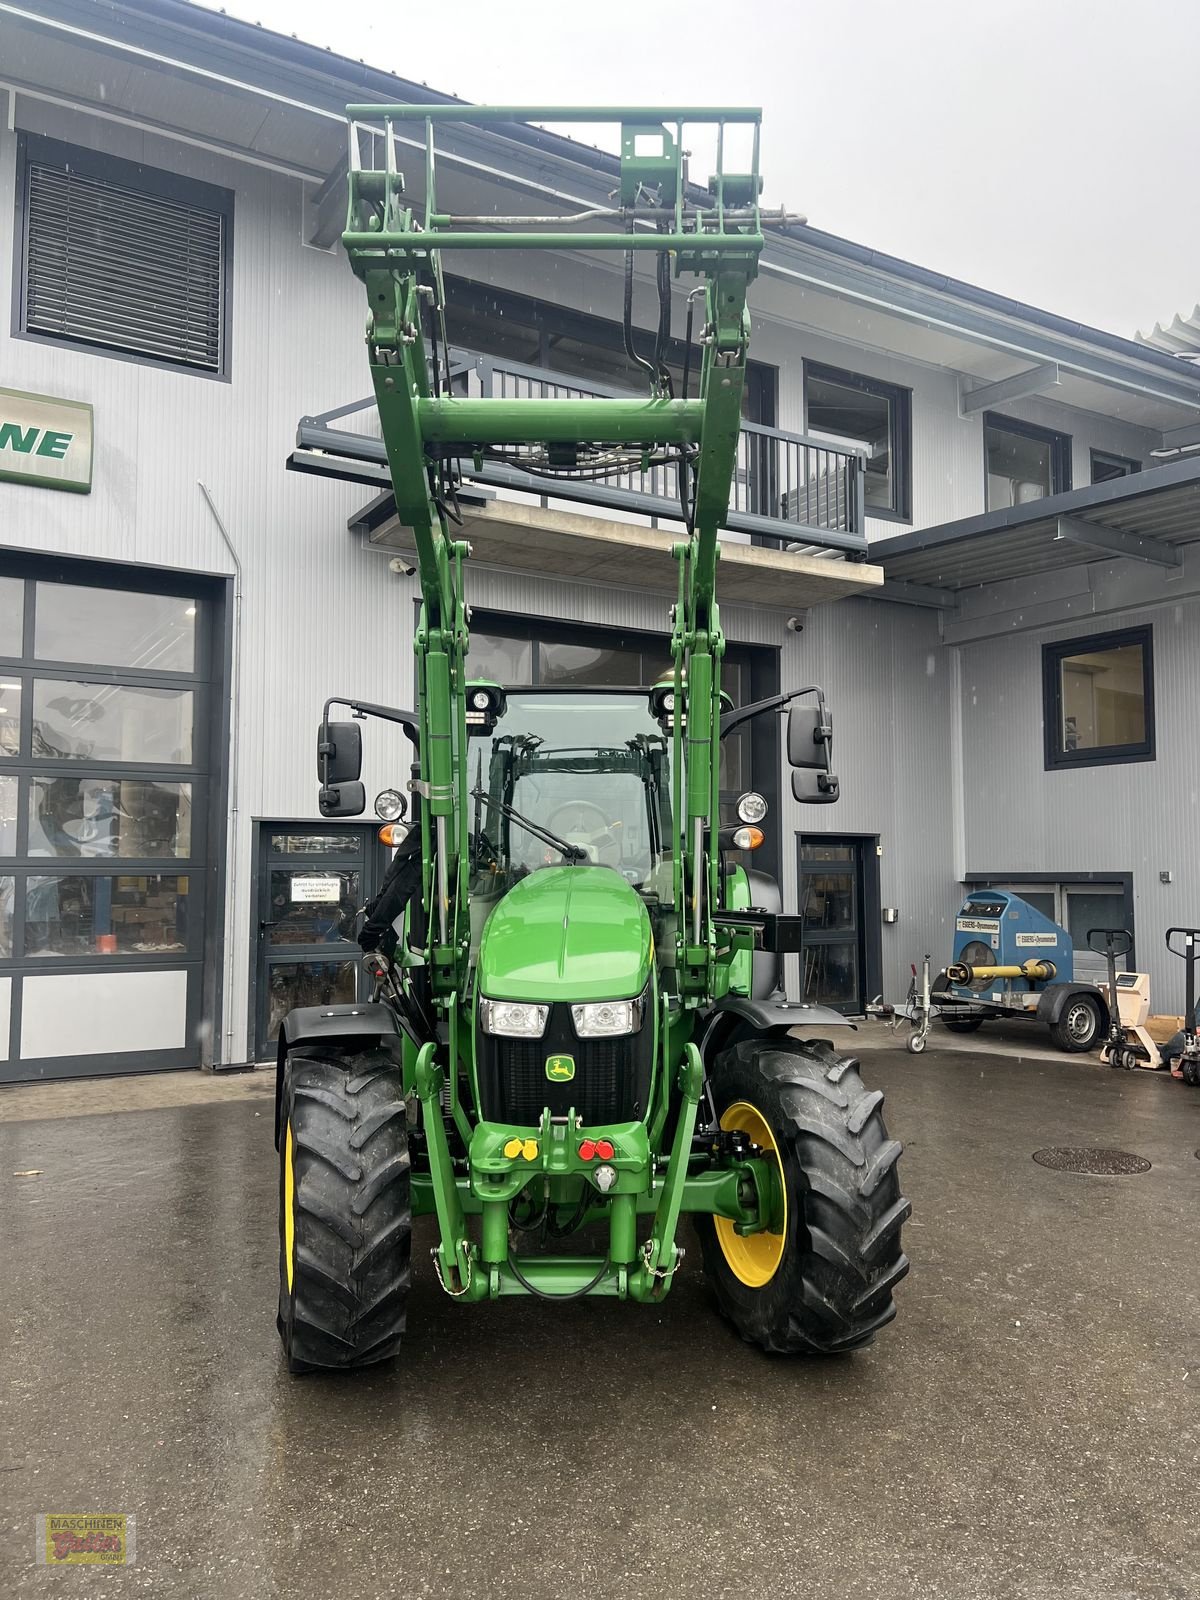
{"x": 1035, "y": 971}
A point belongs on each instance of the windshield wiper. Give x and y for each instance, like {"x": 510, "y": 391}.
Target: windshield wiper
{"x": 573, "y": 853}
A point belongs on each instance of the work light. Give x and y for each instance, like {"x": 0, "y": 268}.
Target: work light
{"x": 390, "y": 805}
{"x": 513, "y": 1019}
{"x": 606, "y": 1019}
{"x": 751, "y": 807}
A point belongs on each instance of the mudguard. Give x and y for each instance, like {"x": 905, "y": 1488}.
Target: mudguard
{"x": 369, "y": 1023}
{"x": 775, "y": 1014}
{"x": 1054, "y": 998}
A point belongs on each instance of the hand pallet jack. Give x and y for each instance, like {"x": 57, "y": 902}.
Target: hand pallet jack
{"x": 1128, "y": 1044}
{"x": 1187, "y": 1066}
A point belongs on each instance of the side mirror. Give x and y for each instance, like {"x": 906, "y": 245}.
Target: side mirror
{"x": 815, "y": 788}
{"x": 342, "y": 799}
{"x": 809, "y": 736}
{"x": 339, "y": 755}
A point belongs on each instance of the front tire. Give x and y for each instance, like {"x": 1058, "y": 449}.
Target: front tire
{"x": 823, "y": 1285}
{"x": 345, "y": 1215}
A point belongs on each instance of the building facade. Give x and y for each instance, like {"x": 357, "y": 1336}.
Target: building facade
{"x": 972, "y": 522}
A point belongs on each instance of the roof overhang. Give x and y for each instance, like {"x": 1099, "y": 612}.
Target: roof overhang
{"x": 1147, "y": 517}
{"x": 223, "y": 84}
{"x": 574, "y": 547}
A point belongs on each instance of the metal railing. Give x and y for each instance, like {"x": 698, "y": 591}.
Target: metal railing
{"x": 788, "y": 489}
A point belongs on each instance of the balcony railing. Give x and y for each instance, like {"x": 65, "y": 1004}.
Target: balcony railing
{"x": 788, "y": 489}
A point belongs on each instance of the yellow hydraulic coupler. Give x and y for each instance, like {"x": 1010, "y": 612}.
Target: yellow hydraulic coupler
{"x": 1035, "y": 971}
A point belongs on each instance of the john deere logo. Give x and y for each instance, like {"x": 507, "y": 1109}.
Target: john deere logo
{"x": 560, "y": 1069}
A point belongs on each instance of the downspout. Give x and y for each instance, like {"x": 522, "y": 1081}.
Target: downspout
{"x": 235, "y": 742}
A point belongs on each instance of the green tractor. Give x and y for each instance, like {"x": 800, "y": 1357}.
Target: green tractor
{"x": 578, "y": 1030}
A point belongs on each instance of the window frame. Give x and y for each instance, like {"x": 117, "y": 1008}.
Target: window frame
{"x": 1060, "y": 452}
{"x": 899, "y": 400}
{"x": 1053, "y": 655}
{"x": 1130, "y": 464}
{"x": 149, "y": 180}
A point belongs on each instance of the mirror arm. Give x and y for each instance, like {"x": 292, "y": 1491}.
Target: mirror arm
{"x": 367, "y": 708}
{"x": 757, "y": 708}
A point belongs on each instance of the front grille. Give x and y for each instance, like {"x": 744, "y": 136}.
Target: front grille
{"x": 611, "y": 1082}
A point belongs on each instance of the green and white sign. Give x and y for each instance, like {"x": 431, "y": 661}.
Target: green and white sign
{"x": 45, "y": 441}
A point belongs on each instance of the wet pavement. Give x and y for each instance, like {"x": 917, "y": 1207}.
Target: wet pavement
{"x": 1028, "y": 1427}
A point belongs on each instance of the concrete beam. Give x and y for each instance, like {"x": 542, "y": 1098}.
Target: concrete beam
{"x": 1113, "y": 542}
{"x": 1034, "y": 380}
{"x": 917, "y": 594}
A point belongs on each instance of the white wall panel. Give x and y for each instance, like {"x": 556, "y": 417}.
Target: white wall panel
{"x": 1141, "y": 817}
{"x": 5, "y": 1012}
{"x": 103, "y": 1013}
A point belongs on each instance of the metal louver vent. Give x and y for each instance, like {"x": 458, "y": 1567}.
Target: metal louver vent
{"x": 122, "y": 268}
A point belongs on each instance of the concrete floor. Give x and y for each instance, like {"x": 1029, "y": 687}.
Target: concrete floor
{"x": 1029, "y": 1426}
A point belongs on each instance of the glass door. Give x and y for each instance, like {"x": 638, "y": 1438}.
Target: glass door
{"x": 831, "y": 903}
{"x": 313, "y": 880}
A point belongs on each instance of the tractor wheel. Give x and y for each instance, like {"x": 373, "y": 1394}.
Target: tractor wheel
{"x": 1079, "y": 1025}
{"x": 964, "y": 1024}
{"x": 345, "y": 1218}
{"x": 823, "y": 1285}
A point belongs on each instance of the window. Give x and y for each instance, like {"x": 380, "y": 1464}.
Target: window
{"x": 115, "y": 628}
{"x": 1106, "y": 466}
{"x": 1024, "y": 463}
{"x": 540, "y": 653}
{"x": 537, "y": 333}
{"x": 850, "y": 409}
{"x": 1099, "y": 699}
{"x": 124, "y": 257}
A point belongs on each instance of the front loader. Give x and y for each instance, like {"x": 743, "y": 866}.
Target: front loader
{"x": 578, "y": 1034}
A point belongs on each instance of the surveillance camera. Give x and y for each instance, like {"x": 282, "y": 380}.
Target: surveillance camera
{"x": 795, "y": 624}
{"x": 401, "y": 567}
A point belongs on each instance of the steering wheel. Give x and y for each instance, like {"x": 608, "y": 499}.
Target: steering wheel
{"x": 582, "y": 822}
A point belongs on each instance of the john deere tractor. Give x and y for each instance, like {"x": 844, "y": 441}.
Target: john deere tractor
{"x": 577, "y": 1033}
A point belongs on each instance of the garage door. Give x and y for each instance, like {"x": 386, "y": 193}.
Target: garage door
{"x": 106, "y": 702}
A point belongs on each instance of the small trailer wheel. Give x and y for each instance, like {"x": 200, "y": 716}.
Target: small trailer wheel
{"x": 915, "y": 1043}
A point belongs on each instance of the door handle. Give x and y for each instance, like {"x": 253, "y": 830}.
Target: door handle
{"x": 263, "y": 925}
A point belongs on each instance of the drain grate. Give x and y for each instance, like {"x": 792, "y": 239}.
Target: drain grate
{"x": 1103, "y": 1163}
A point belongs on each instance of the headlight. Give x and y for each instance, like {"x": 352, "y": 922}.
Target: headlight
{"x": 751, "y": 807}
{"x": 481, "y": 700}
{"x": 747, "y": 838}
{"x": 512, "y": 1019}
{"x": 390, "y": 805}
{"x": 606, "y": 1019}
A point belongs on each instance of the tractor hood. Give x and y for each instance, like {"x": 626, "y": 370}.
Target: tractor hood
{"x": 567, "y": 933}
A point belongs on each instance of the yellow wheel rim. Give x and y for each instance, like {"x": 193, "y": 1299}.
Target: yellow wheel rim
{"x": 289, "y": 1209}
{"x": 754, "y": 1257}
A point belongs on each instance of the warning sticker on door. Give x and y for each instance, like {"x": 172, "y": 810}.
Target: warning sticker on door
{"x": 315, "y": 891}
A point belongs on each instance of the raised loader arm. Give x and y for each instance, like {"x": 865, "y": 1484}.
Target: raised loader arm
{"x": 396, "y": 249}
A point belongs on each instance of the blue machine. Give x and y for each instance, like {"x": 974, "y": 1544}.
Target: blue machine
{"x": 996, "y": 929}
{"x": 1010, "y": 960}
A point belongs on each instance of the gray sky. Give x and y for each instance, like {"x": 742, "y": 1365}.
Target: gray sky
{"x": 1041, "y": 148}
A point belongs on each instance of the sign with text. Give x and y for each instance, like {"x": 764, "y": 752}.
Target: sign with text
{"x": 85, "y": 1539}
{"x": 46, "y": 442}
{"x": 315, "y": 891}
